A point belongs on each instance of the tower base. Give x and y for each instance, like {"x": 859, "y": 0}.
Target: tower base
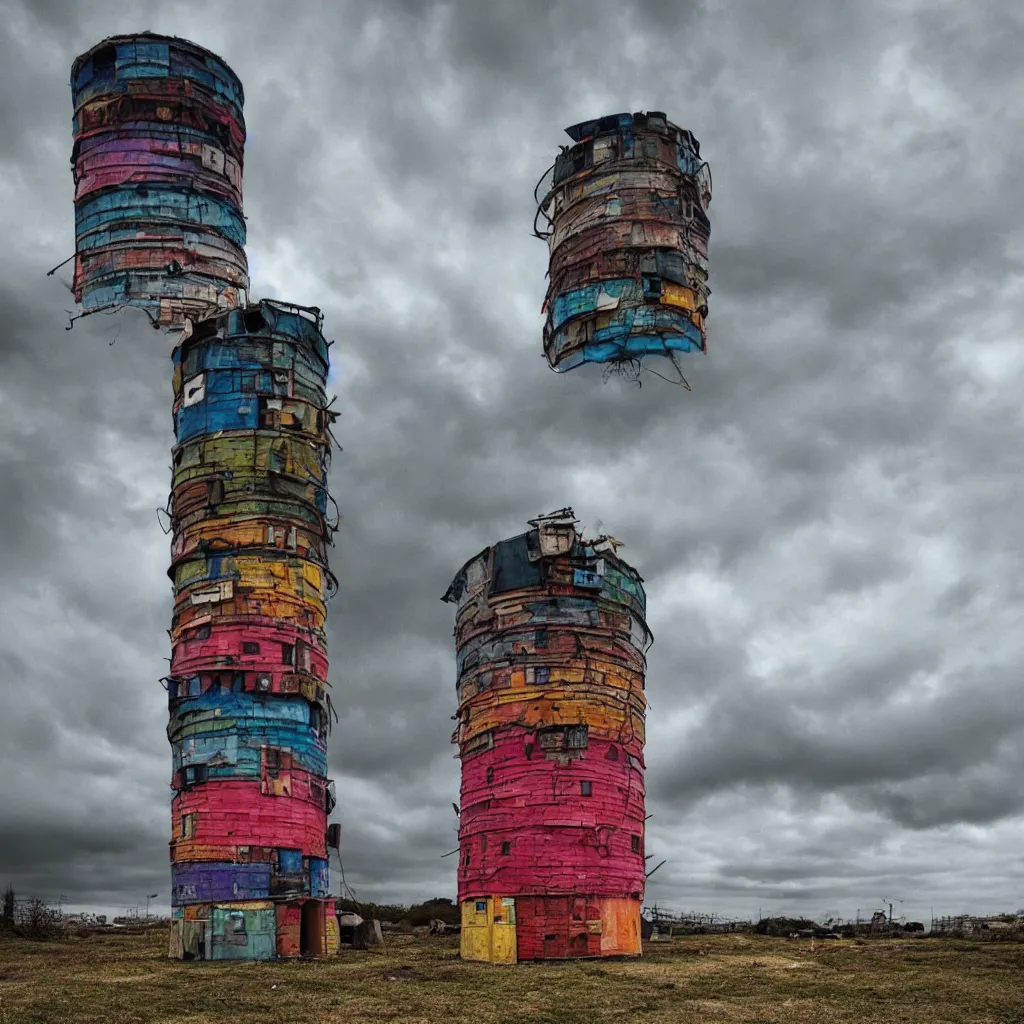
{"x": 254, "y": 930}
{"x": 505, "y": 930}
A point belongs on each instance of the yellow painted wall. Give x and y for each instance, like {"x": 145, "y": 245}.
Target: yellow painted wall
{"x": 503, "y": 930}
{"x": 476, "y": 930}
{"x": 489, "y": 934}
{"x": 333, "y": 935}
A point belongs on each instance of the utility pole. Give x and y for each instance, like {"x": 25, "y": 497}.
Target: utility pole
{"x": 151, "y": 896}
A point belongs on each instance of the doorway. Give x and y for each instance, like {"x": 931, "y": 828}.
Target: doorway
{"x": 312, "y": 937}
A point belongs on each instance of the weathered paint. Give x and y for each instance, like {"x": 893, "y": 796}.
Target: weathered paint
{"x": 489, "y": 929}
{"x": 627, "y": 232}
{"x": 289, "y": 922}
{"x": 551, "y": 640}
{"x": 244, "y": 931}
{"x": 157, "y": 160}
{"x": 248, "y": 698}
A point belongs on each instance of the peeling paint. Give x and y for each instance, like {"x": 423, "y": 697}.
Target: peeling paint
{"x": 550, "y": 638}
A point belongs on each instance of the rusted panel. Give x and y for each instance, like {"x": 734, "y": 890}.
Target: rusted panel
{"x": 625, "y": 219}
{"x": 551, "y": 640}
{"x": 157, "y": 161}
{"x": 289, "y": 920}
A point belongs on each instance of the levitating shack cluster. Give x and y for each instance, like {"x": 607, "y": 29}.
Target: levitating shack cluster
{"x": 550, "y": 637}
{"x": 551, "y": 627}
{"x": 157, "y": 161}
{"x": 158, "y": 169}
{"x": 627, "y": 231}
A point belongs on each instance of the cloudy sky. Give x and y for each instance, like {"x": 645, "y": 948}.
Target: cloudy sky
{"x": 829, "y": 524}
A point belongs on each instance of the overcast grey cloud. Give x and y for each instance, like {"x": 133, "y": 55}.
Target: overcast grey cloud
{"x": 829, "y": 524}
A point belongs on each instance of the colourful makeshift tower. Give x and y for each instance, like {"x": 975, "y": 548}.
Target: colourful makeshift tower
{"x": 157, "y": 161}
{"x": 158, "y": 171}
{"x": 550, "y": 637}
{"x": 627, "y": 229}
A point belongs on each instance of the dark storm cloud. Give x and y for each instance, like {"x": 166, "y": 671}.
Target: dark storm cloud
{"x": 826, "y": 524}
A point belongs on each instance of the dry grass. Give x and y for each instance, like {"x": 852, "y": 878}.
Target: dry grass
{"x": 129, "y": 980}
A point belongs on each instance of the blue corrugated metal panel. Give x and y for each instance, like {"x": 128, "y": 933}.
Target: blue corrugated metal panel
{"x": 142, "y": 204}
{"x": 318, "y": 877}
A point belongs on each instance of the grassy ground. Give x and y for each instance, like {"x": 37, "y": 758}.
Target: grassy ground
{"x": 129, "y": 980}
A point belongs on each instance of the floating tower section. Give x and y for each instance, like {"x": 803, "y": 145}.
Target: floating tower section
{"x": 157, "y": 161}
{"x": 550, "y": 638}
{"x": 625, "y": 219}
{"x": 159, "y": 135}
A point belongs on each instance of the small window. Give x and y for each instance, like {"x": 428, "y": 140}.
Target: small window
{"x": 248, "y": 647}
{"x": 634, "y": 843}
{"x": 541, "y": 674}
{"x": 652, "y": 288}
{"x": 481, "y": 906}
{"x": 506, "y": 849}
{"x": 238, "y": 924}
{"x": 104, "y": 60}
{"x": 585, "y": 788}
{"x": 466, "y": 860}
{"x": 254, "y": 322}
{"x": 490, "y": 774}
{"x": 541, "y": 637}
{"x": 288, "y": 654}
{"x": 203, "y": 632}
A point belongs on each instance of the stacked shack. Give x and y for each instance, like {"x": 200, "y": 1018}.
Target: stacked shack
{"x": 157, "y": 159}
{"x": 625, "y": 219}
{"x": 550, "y": 637}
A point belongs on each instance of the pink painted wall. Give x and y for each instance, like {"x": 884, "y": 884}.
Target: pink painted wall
{"x": 232, "y": 813}
{"x": 559, "y": 840}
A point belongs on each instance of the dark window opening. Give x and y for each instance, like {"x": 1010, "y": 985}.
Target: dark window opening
{"x": 541, "y": 637}
{"x": 216, "y": 491}
{"x": 248, "y": 647}
{"x": 506, "y": 849}
{"x": 576, "y": 737}
{"x": 653, "y": 288}
{"x": 288, "y": 654}
{"x": 104, "y": 61}
{"x": 586, "y": 788}
{"x": 203, "y": 632}
{"x": 253, "y": 321}
{"x": 238, "y": 924}
{"x": 490, "y": 774}
{"x": 466, "y": 860}
{"x": 634, "y": 843}
{"x": 541, "y": 675}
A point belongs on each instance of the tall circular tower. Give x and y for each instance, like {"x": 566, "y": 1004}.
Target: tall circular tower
{"x": 157, "y": 162}
{"x": 625, "y": 219}
{"x": 250, "y": 710}
{"x": 550, "y": 638}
